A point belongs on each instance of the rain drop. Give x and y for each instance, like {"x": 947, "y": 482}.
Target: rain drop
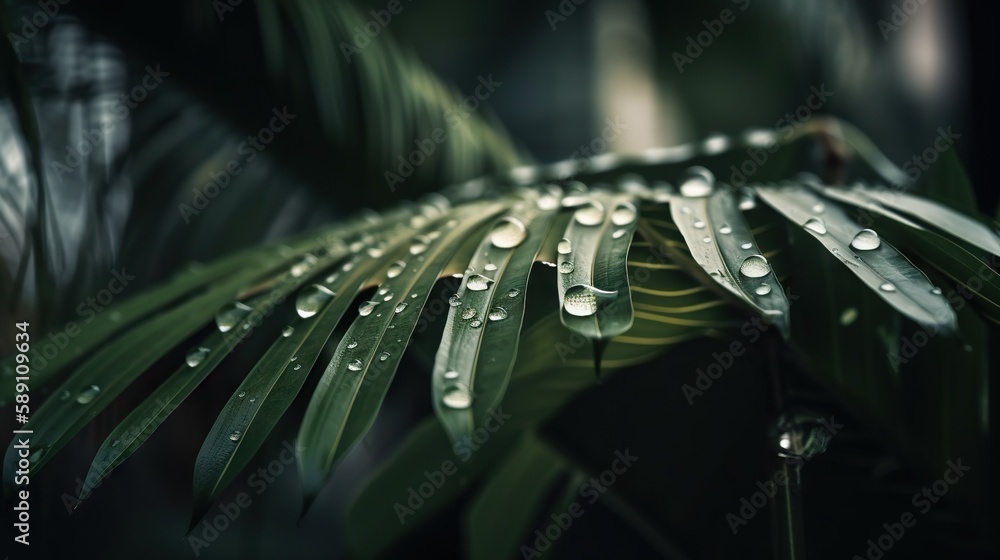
{"x": 478, "y": 282}
{"x": 618, "y": 233}
{"x": 451, "y": 374}
{"x": 354, "y": 365}
{"x": 763, "y": 290}
{"x": 699, "y": 224}
{"x": 590, "y": 215}
{"x": 454, "y": 300}
{"x": 352, "y": 344}
{"x": 887, "y": 287}
{"x": 866, "y": 240}
{"x": 706, "y": 239}
{"x": 228, "y": 316}
{"x": 755, "y": 266}
{"x": 497, "y": 314}
{"x": 468, "y": 313}
{"x": 746, "y": 245}
{"x": 312, "y": 299}
{"x": 624, "y": 214}
{"x": 400, "y": 308}
{"x": 235, "y": 436}
{"x": 513, "y": 293}
{"x": 581, "y": 300}
{"x": 383, "y": 356}
{"x": 242, "y": 394}
{"x": 565, "y": 247}
{"x": 196, "y": 355}
{"x": 395, "y": 269}
{"x": 507, "y": 233}
{"x": 848, "y": 316}
{"x": 816, "y": 224}
{"x": 566, "y": 267}
{"x": 476, "y": 323}
{"x": 287, "y": 331}
{"x": 725, "y": 230}
{"x": 366, "y": 308}
{"x": 417, "y": 248}
{"x": 88, "y": 394}
{"x": 819, "y": 208}
{"x": 302, "y": 266}
{"x": 936, "y": 291}
{"x": 697, "y": 182}
{"x": 490, "y": 267}
{"x": 457, "y": 396}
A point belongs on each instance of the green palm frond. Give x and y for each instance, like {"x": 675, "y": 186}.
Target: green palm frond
{"x": 707, "y": 255}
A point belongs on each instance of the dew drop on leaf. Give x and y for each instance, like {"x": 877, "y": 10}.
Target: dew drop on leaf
{"x": 566, "y": 267}
{"x": 565, "y": 247}
{"x": 497, "y": 314}
{"x": 816, "y": 224}
{"x": 591, "y": 214}
{"x": 478, "y": 282}
{"x": 196, "y": 355}
{"x": 755, "y": 266}
{"x": 312, "y": 299}
{"x": 866, "y": 240}
{"x": 287, "y": 331}
{"x": 228, "y": 316}
{"x": 624, "y": 214}
{"x": 354, "y": 365}
{"x": 395, "y": 269}
{"x": 366, "y": 308}
{"x": 457, "y": 396}
{"x": 507, "y": 233}
{"x": 88, "y": 394}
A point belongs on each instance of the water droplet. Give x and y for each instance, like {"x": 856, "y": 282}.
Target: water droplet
{"x": 819, "y": 208}
{"x": 451, "y": 374}
{"x": 565, "y": 247}
{"x": 242, "y": 394}
{"x": 235, "y": 436}
{"x": 395, "y": 269}
{"x": 581, "y": 300}
{"x": 228, "y": 316}
{"x": 375, "y": 252}
{"x": 475, "y": 323}
{"x": 302, "y": 266}
{"x": 478, "y": 282}
{"x": 816, "y": 224}
{"x": 566, "y": 267}
{"x": 706, "y": 239}
{"x": 383, "y": 356}
{"x": 755, "y": 266}
{"x": 725, "y": 229}
{"x": 366, "y": 308}
{"x": 590, "y": 215}
{"x": 332, "y": 278}
{"x": 468, "y": 313}
{"x": 388, "y": 297}
{"x": 848, "y": 316}
{"x": 498, "y": 314}
{"x": 746, "y": 245}
{"x": 763, "y": 290}
{"x": 417, "y": 248}
{"x": 866, "y": 240}
{"x": 936, "y": 291}
{"x": 803, "y": 434}
{"x": 699, "y": 224}
{"x": 624, "y": 214}
{"x": 352, "y": 344}
{"x": 454, "y": 300}
{"x": 296, "y": 368}
{"x": 196, "y": 355}
{"x": 490, "y": 267}
{"x": 618, "y": 233}
{"x": 116, "y": 443}
{"x": 312, "y": 299}
{"x": 507, "y": 233}
{"x": 287, "y": 331}
{"x": 348, "y": 266}
{"x": 65, "y": 395}
{"x": 354, "y": 365}
{"x": 400, "y": 308}
{"x": 698, "y": 185}
{"x": 547, "y": 202}
{"x": 748, "y": 200}
{"x": 88, "y": 394}
{"x": 513, "y": 293}
{"x": 887, "y": 287}
{"x": 457, "y": 396}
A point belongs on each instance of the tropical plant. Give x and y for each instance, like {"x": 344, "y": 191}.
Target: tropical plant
{"x": 842, "y": 269}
